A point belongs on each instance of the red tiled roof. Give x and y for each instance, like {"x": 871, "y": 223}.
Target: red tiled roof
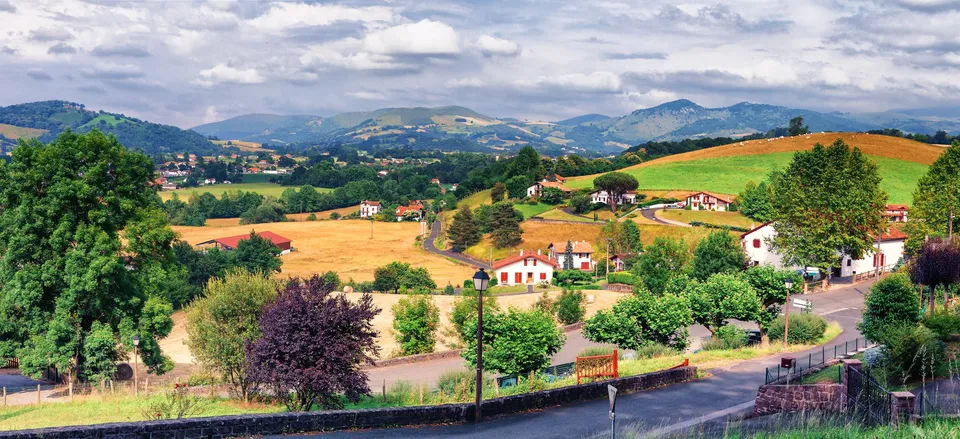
{"x": 894, "y": 234}
{"x": 897, "y": 207}
{"x": 555, "y": 185}
{"x": 516, "y": 258}
{"x": 232, "y": 241}
{"x": 578, "y": 247}
{"x": 755, "y": 229}
{"x": 719, "y": 197}
{"x": 370, "y": 203}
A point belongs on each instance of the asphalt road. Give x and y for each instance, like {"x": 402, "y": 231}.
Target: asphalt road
{"x": 726, "y": 392}
{"x": 430, "y": 247}
{"x": 651, "y": 214}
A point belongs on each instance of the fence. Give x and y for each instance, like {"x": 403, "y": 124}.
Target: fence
{"x": 597, "y": 366}
{"x": 816, "y": 359}
{"x": 40, "y": 393}
{"x": 549, "y": 374}
{"x": 867, "y": 401}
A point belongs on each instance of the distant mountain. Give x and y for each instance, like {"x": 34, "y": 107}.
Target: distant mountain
{"x": 586, "y": 118}
{"x": 921, "y": 120}
{"x": 47, "y": 119}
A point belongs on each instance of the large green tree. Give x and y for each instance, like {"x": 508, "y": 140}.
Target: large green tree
{"x": 257, "y": 254}
{"x": 415, "y": 322}
{"x": 505, "y": 225}
{"x": 771, "y": 286}
{"x": 756, "y": 202}
{"x": 936, "y": 201}
{"x": 463, "y": 231}
{"x": 642, "y": 319}
{"x": 663, "y": 260}
{"x": 719, "y": 252}
{"x": 721, "y": 298}
{"x": 515, "y": 342}
{"x": 797, "y": 128}
{"x": 616, "y": 184}
{"x": 829, "y": 204}
{"x": 517, "y": 186}
{"x": 85, "y": 250}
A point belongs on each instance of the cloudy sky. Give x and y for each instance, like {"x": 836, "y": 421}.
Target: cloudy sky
{"x": 186, "y": 62}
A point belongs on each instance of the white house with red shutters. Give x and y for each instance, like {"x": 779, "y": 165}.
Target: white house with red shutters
{"x": 525, "y": 269}
{"x": 757, "y": 245}
{"x": 708, "y": 201}
{"x": 369, "y": 208}
{"x": 896, "y": 213}
{"x": 601, "y": 197}
{"x": 582, "y": 254}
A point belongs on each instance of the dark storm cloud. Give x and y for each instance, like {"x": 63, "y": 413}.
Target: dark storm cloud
{"x": 120, "y": 50}
{"x": 61, "y": 49}
{"x": 39, "y": 75}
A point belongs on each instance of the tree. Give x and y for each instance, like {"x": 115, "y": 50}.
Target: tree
{"x": 936, "y": 201}
{"x": 517, "y": 186}
{"x": 642, "y": 319}
{"x": 505, "y": 226}
{"x": 83, "y": 240}
{"x": 100, "y": 350}
{"x": 397, "y": 275}
{"x": 551, "y": 195}
{"x": 624, "y": 237}
{"x": 463, "y": 232}
{"x": 515, "y": 342}
{"x": 829, "y": 204}
{"x": 464, "y": 310}
{"x": 719, "y": 252}
{"x": 770, "y": 285}
{"x": 568, "y": 256}
{"x": 891, "y": 304}
{"x": 224, "y": 321}
{"x": 482, "y": 217}
{"x": 937, "y": 265}
{"x": 569, "y": 307}
{"x": 498, "y": 193}
{"x": 721, "y": 298}
{"x": 662, "y": 260}
{"x": 581, "y": 203}
{"x": 796, "y": 127}
{"x": 616, "y": 184}
{"x": 257, "y": 254}
{"x": 415, "y": 321}
{"x": 313, "y": 345}
{"x": 527, "y": 163}
{"x": 756, "y": 202}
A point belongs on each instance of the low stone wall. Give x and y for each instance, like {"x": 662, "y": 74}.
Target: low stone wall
{"x": 409, "y": 359}
{"x": 222, "y": 427}
{"x": 796, "y": 398}
{"x": 575, "y": 223}
{"x": 620, "y": 288}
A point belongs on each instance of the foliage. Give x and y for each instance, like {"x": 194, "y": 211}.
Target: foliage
{"x": 914, "y": 353}
{"x": 415, "y": 321}
{"x": 175, "y": 403}
{"x": 596, "y": 351}
{"x": 938, "y": 194}
{"x": 725, "y": 227}
{"x": 727, "y": 337}
{"x": 464, "y": 311}
{"x": 655, "y": 351}
{"x": 622, "y": 277}
{"x": 257, "y": 254}
{"x": 397, "y": 275}
{"x": 581, "y": 203}
{"x": 517, "y": 186}
{"x": 944, "y": 323}
{"x": 624, "y": 237}
{"x": 482, "y": 217}
{"x": 463, "y": 232}
{"x": 723, "y": 297}
{"x": 719, "y": 252}
{"x": 515, "y": 342}
{"x": 313, "y": 345}
{"x": 805, "y": 328}
{"x": 222, "y": 322}
{"x": 640, "y": 320}
{"x": 568, "y": 277}
{"x": 796, "y": 127}
{"x": 829, "y": 204}
{"x": 505, "y": 225}
{"x": 498, "y": 193}
{"x": 756, "y": 202}
{"x": 269, "y": 211}
{"x": 546, "y": 304}
{"x": 83, "y": 241}
{"x": 662, "y": 260}
{"x": 568, "y": 257}
{"x": 551, "y": 195}
{"x": 100, "y": 350}
{"x": 616, "y": 184}
{"x": 770, "y": 285}
{"x": 570, "y": 307}
{"x": 937, "y": 264}
{"x": 892, "y": 302}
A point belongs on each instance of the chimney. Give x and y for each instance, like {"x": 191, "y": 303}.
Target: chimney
{"x": 538, "y": 252}
{"x": 521, "y": 252}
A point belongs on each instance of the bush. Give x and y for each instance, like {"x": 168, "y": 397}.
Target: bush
{"x": 312, "y": 217}
{"x": 457, "y": 383}
{"x": 570, "y": 308}
{"x": 943, "y": 323}
{"x": 365, "y": 287}
{"x": 892, "y": 302}
{"x": 727, "y": 337}
{"x": 596, "y": 351}
{"x": 567, "y": 277}
{"x": 914, "y": 353}
{"x": 621, "y": 278}
{"x": 448, "y": 290}
{"x": 804, "y": 328}
{"x": 545, "y": 303}
{"x": 415, "y": 322}
{"x": 655, "y": 350}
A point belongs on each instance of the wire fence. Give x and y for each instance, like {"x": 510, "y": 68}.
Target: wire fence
{"x": 549, "y": 374}
{"x": 817, "y": 359}
{"x": 40, "y": 393}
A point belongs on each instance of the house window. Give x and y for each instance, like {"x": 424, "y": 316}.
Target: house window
{"x": 756, "y": 243}
{"x": 503, "y": 277}
{"x": 849, "y": 262}
{"x": 534, "y": 262}
{"x": 518, "y": 278}
{"x": 543, "y": 276}
{"x": 524, "y": 262}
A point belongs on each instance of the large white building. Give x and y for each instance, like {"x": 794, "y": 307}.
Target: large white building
{"x": 525, "y": 269}
{"x": 369, "y": 208}
{"x": 582, "y": 254}
{"x": 603, "y": 198}
{"x": 708, "y": 201}
{"x": 757, "y": 245}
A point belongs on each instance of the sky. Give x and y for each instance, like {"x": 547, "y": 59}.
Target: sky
{"x": 188, "y": 62}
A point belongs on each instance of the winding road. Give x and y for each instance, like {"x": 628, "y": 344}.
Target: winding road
{"x": 429, "y": 246}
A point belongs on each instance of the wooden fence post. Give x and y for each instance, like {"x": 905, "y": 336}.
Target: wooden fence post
{"x": 38, "y": 394}
{"x": 4, "y": 396}
{"x": 71, "y": 390}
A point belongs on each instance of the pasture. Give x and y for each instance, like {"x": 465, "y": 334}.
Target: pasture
{"x": 722, "y": 218}
{"x": 529, "y": 210}
{"x": 242, "y": 145}
{"x": 13, "y": 132}
{"x": 265, "y": 189}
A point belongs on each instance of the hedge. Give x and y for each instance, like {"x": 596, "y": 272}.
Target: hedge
{"x": 718, "y": 226}
{"x": 621, "y": 278}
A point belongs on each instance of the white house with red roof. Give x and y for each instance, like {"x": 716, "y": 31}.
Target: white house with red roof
{"x": 601, "y": 197}
{"x": 369, "y": 208}
{"x": 897, "y": 213}
{"x": 230, "y": 243}
{"x": 413, "y": 211}
{"x": 536, "y": 190}
{"x": 708, "y": 201}
{"x": 525, "y": 269}
{"x": 582, "y": 254}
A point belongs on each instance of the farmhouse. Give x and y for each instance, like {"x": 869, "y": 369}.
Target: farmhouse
{"x": 618, "y": 262}
{"x": 582, "y": 254}
{"x": 369, "y": 208}
{"x": 896, "y": 213}
{"x": 434, "y": 180}
{"x": 210, "y": 181}
{"x": 601, "y": 197}
{"x": 411, "y": 212}
{"x": 708, "y": 201}
{"x": 170, "y": 186}
{"x": 525, "y": 269}
{"x": 230, "y": 242}
{"x": 757, "y": 245}
{"x": 536, "y": 191}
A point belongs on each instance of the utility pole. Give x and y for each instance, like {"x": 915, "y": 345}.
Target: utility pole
{"x": 608, "y": 261}
{"x": 301, "y": 210}
{"x": 371, "y": 229}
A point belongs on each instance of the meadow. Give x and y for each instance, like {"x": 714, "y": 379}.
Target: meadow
{"x": 14, "y": 132}
{"x": 722, "y": 218}
{"x": 263, "y": 188}
{"x": 241, "y": 145}
{"x": 529, "y": 210}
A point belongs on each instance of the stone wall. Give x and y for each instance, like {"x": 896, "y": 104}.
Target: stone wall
{"x": 222, "y": 427}
{"x": 795, "y": 398}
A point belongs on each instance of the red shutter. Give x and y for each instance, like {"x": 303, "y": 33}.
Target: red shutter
{"x": 518, "y": 278}
{"x": 875, "y": 261}
{"x": 503, "y": 277}
{"x": 756, "y": 243}
{"x": 543, "y": 276}
{"x": 524, "y": 262}
{"x": 584, "y": 265}
{"x": 534, "y": 262}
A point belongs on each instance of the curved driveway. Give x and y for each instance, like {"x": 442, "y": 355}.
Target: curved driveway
{"x": 429, "y": 246}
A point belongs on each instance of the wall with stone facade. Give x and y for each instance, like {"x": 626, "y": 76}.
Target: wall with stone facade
{"x": 795, "y": 398}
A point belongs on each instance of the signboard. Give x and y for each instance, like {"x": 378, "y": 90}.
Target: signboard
{"x": 612, "y": 394}
{"x": 800, "y": 303}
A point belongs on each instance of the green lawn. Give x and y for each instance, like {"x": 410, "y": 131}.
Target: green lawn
{"x": 529, "y": 210}
{"x": 108, "y": 119}
{"x": 557, "y": 214}
{"x": 720, "y": 218}
{"x": 728, "y": 175}
{"x": 218, "y": 189}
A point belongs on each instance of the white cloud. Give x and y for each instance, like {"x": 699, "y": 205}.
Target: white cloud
{"x": 367, "y": 95}
{"x": 596, "y": 82}
{"x": 491, "y": 46}
{"x": 211, "y": 115}
{"x": 466, "y": 83}
{"x": 286, "y": 15}
{"x": 112, "y": 71}
{"x": 224, "y": 74}
{"x": 322, "y": 57}
{"x": 425, "y": 37}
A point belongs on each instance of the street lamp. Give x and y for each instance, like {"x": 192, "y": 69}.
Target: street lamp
{"x": 136, "y": 380}
{"x": 786, "y": 315}
{"x": 480, "y": 281}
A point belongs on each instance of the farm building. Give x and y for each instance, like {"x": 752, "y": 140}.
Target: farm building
{"x": 525, "y": 269}
{"x": 618, "y": 262}
{"x": 413, "y": 211}
{"x": 369, "y": 208}
{"x": 602, "y": 197}
{"x": 896, "y": 213}
{"x": 536, "y": 190}
{"x": 708, "y": 201}
{"x": 230, "y": 242}
{"x": 582, "y": 254}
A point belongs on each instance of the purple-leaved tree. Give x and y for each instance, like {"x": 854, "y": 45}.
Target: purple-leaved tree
{"x": 313, "y": 345}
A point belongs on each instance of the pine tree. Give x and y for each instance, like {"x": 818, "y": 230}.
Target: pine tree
{"x": 505, "y": 225}
{"x": 463, "y": 232}
{"x": 568, "y": 257}
{"x": 498, "y": 192}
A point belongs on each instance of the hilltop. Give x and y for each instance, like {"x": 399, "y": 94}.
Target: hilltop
{"x": 46, "y": 119}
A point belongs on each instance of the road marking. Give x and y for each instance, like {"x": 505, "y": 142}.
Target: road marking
{"x": 697, "y": 421}
{"x": 836, "y": 311}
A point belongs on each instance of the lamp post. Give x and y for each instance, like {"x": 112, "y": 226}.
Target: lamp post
{"x": 786, "y": 314}
{"x": 136, "y": 380}
{"x": 480, "y": 281}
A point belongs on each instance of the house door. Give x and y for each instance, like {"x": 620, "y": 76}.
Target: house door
{"x": 529, "y": 278}
{"x": 584, "y": 265}
{"x": 503, "y": 277}
{"x": 518, "y": 278}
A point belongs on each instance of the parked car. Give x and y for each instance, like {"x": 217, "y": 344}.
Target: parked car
{"x": 810, "y": 274}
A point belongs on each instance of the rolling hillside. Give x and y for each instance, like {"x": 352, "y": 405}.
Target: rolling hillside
{"x": 726, "y": 169}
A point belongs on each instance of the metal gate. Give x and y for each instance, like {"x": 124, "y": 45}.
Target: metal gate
{"x": 867, "y": 401}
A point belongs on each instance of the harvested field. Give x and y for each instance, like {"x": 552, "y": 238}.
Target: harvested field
{"x": 721, "y": 218}
{"x": 14, "y": 132}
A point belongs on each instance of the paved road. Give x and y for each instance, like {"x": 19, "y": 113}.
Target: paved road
{"x": 727, "y": 392}
{"x": 430, "y": 247}
{"x": 651, "y": 214}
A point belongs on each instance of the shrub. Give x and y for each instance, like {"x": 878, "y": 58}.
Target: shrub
{"x": 567, "y": 277}
{"x": 727, "y": 337}
{"x": 570, "y": 308}
{"x": 804, "y": 328}
{"x": 914, "y": 353}
{"x": 312, "y": 217}
{"x": 415, "y": 320}
{"x": 596, "y": 351}
{"x": 448, "y": 290}
{"x": 545, "y": 303}
{"x": 517, "y": 342}
{"x": 366, "y": 287}
{"x": 621, "y": 278}
{"x": 891, "y": 302}
{"x": 943, "y": 323}
{"x": 590, "y": 287}
{"x": 457, "y": 383}
{"x": 655, "y": 350}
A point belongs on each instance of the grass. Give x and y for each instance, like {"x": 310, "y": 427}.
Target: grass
{"x": 529, "y": 210}
{"x": 241, "y": 145}
{"x": 557, "y": 214}
{"x": 263, "y": 188}
{"x": 109, "y": 120}
{"x": 726, "y": 169}
{"x": 14, "y": 132}
{"x": 721, "y": 218}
